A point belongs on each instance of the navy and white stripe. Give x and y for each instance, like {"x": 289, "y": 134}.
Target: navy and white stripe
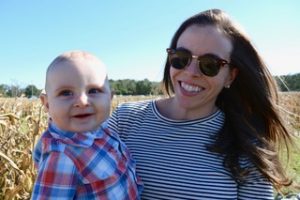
{"x": 172, "y": 156}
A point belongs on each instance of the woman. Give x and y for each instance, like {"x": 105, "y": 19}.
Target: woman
{"x": 215, "y": 136}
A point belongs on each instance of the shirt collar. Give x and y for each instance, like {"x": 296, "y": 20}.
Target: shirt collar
{"x": 85, "y": 139}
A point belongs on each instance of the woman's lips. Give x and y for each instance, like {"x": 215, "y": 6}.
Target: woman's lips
{"x": 189, "y": 88}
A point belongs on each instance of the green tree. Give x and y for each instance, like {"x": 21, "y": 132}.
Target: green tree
{"x": 143, "y": 87}
{"x": 289, "y": 82}
{"x": 156, "y": 88}
{"x": 14, "y": 91}
{"x": 31, "y": 90}
{"x": 4, "y": 90}
{"x": 117, "y": 87}
{"x": 130, "y": 86}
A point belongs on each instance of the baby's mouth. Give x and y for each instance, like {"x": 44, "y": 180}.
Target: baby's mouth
{"x": 80, "y": 116}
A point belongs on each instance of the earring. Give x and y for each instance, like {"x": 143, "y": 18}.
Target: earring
{"x": 227, "y": 86}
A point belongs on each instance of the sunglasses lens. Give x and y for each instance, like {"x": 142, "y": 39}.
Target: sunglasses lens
{"x": 209, "y": 66}
{"x": 179, "y": 59}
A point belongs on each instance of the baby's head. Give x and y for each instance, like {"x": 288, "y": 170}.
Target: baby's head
{"x": 78, "y": 96}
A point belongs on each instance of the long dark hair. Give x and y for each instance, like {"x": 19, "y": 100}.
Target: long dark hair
{"x": 253, "y": 127}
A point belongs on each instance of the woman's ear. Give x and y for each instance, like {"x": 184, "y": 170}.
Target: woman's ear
{"x": 232, "y": 75}
{"x": 44, "y": 100}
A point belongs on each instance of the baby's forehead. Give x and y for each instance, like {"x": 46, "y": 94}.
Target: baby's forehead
{"x": 74, "y": 58}
{"x": 78, "y": 55}
{"x": 76, "y": 63}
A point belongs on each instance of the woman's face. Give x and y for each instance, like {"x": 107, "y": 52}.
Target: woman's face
{"x": 195, "y": 92}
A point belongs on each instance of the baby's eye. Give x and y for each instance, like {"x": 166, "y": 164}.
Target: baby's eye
{"x": 65, "y": 93}
{"x": 94, "y": 90}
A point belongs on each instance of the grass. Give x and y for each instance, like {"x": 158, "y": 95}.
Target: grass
{"x": 294, "y": 167}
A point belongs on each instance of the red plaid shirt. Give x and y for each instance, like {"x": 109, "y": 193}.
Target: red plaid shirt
{"x": 93, "y": 165}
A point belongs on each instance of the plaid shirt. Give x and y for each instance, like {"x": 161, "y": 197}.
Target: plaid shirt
{"x": 93, "y": 165}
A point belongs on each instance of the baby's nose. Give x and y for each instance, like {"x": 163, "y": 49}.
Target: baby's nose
{"x": 82, "y": 100}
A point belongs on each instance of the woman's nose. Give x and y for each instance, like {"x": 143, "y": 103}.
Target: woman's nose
{"x": 193, "y": 67}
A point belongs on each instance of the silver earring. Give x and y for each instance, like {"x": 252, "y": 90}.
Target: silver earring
{"x": 227, "y": 86}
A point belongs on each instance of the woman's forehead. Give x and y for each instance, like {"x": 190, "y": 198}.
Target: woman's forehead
{"x": 205, "y": 39}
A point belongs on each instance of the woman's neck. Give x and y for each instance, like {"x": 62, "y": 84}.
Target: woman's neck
{"x": 170, "y": 108}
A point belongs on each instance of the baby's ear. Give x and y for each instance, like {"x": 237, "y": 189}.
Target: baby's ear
{"x": 44, "y": 100}
{"x": 112, "y": 93}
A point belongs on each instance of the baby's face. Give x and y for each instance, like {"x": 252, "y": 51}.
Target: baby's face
{"x": 78, "y": 97}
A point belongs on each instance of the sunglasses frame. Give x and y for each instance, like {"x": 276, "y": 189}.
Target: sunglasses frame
{"x": 219, "y": 61}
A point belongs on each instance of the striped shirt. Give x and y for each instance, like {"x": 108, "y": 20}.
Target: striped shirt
{"x": 92, "y": 165}
{"x": 173, "y": 160}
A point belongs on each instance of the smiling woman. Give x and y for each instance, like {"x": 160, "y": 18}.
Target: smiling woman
{"x": 216, "y": 135}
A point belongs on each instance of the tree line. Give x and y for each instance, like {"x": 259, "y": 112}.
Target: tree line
{"x": 119, "y": 87}
{"x": 136, "y": 87}
{"x": 288, "y": 82}
{"x": 133, "y": 87}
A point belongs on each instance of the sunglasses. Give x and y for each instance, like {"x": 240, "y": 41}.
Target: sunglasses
{"x": 208, "y": 64}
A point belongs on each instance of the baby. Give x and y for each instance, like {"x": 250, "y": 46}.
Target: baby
{"x": 77, "y": 156}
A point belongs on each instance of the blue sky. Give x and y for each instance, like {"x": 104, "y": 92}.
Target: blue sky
{"x": 130, "y": 36}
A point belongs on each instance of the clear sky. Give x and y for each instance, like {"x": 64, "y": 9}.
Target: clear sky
{"x": 130, "y": 36}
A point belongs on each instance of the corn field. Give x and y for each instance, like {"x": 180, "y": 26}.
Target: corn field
{"x": 22, "y": 121}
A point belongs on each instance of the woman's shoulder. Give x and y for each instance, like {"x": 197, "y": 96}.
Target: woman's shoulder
{"x": 128, "y": 113}
{"x": 138, "y": 106}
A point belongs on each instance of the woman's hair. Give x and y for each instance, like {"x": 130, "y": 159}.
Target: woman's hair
{"x": 253, "y": 127}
